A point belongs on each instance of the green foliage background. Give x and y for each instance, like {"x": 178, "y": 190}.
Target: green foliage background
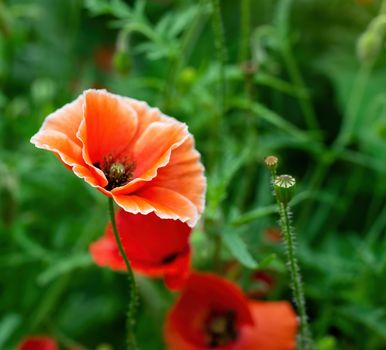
{"x": 295, "y": 87}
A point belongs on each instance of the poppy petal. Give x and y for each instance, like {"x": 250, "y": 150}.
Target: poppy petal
{"x": 165, "y": 203}
{"x": 183, "y": 170}
{"x": 110, "y": 125}
{"x": 105, "y": 252}
{"x": 169, "y": 204}
{"x": 157, "y": 136}
{"x": 38, "y": 343}
{"x": 153, "y": 148}
{"x": 58, "y": 133}
{"x": 275, "y": 327}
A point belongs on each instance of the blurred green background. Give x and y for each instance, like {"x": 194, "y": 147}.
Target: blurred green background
{"x": 305, "y": 80}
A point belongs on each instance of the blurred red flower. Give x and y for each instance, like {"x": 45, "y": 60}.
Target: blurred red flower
{"x": 38, "y": 343}
{"x": 213, "y": 313}
{"x": 272, "y": 234}
{"x": 103, "y": 57}
{"x": 155, "y": 247}
{"x": 142, "y": 158}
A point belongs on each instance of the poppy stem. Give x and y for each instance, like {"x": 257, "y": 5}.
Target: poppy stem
{"x": 283, "y": 189}
{"x": 289, "y": 239}
{"x": 133, "y": 295}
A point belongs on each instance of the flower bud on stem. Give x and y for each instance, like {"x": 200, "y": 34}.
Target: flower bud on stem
{"x": 283, "y": 190}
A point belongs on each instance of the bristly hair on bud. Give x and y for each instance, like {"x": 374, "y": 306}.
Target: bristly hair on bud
{"x": 284, "y": 188}
{"x": 271, "y": 162}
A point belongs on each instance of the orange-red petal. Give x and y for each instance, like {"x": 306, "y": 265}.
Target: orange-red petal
{"x": 110, "y": 124}
{"x": 184, "y": 174}
{"x": 58, "y": 133}
{"x": 165, "y": 203}
{"x": 152, "y": 150}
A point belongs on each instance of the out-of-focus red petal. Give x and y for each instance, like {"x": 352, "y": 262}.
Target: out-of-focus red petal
{"x": 38, "y": 343}
{"x": 275, "y": 327}
{"x": 105, "y": 252}
{"x": 155, "y": 247}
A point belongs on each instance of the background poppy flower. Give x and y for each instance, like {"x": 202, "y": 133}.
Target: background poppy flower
{"x": 38, "y": 343}
{"x": 213, "y": 313}
{"x": 154, "y": 246}
{"x": 129, "y": 151}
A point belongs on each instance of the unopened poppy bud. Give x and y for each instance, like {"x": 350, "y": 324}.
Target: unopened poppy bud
{"x": 188, "y": 76}
{"x": 369, "y": 46}
{"x": 271, "y": 162}
{"x": 122, "y": 62}
{"x": 284, "y": 188}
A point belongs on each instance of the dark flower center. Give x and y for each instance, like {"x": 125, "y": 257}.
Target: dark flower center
{"x": 118, "y": 173}
{"x": 221, "y": 328}
{"x": 169, "y": 258}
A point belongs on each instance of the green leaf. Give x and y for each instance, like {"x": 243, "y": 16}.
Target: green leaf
{"x": 64, "y": 266}
{"x": 8, "y": 325}
{"x": 238, "y": 248}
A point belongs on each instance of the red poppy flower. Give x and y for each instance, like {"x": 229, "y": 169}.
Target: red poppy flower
{"x": 213, "y": 313}
{"x": 38, "y": 343}
{"x": 142, "y": 158}
{"x": 154, "y": 246}
{"x": 262, "y": 284}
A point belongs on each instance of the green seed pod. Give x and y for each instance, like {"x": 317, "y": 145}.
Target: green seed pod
{"x": 369, "y": 47}
{"x": 284, "y": 188}
{"x": 122, "y": 62}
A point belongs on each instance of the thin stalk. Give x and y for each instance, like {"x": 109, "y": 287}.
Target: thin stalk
{"x": 245, "y": 32}
{"x": 133, "y": 296}
{"x": 219, "y": 38}
{"x": 297, "y": 79}
{"x": 283, "y": 26}
{"x": 289, "y": 239}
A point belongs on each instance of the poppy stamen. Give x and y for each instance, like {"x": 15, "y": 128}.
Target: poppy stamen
{"x": 118, "y": 173}
{"x": 221, "y": 328}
